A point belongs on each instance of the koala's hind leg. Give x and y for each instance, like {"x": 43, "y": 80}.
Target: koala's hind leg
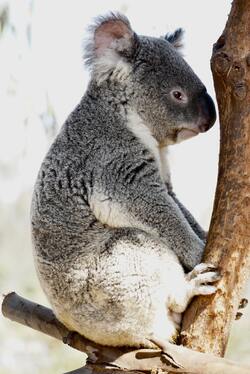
{"x": 127, "y": 287}
{"x": 121, "y": 287}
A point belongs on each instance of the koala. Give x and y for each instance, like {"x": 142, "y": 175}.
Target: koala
{"x": 117, "y": 254}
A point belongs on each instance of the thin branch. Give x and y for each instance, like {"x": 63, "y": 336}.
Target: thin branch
{"x": 43, "y": 319}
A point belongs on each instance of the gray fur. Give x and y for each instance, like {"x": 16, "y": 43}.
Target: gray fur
{"x": 109, "y": 236}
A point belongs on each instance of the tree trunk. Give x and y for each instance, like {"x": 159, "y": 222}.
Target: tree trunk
{"x": 207, "y": 321}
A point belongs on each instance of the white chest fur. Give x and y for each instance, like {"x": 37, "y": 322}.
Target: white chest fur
{"x": 143, "y": 133}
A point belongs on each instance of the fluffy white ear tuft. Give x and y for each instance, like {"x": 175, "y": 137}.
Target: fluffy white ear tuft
{"x": 110, "y": 47}
{"x": 175, "y": 38}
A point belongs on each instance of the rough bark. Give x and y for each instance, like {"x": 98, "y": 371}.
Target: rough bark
{"x": 130, "y": 361}
{"x": 207, "y": 321}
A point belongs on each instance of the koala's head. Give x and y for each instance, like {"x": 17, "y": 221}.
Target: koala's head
{"x": 163, "y": 89}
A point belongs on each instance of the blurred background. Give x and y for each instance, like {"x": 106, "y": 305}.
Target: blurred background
{"x": 42, "y": 78}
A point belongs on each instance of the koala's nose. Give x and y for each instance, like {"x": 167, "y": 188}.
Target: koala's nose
{"x": 207, "y": 113}
{"x": 204, "y": 127}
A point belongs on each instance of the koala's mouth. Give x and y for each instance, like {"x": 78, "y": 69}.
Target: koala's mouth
{"x": 185, "y": 133}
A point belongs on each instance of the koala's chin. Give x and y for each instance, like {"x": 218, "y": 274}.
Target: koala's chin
{"x": 185, "y": 134}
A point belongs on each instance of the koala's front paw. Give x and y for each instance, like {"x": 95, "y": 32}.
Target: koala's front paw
{"x": 201, "y": 277}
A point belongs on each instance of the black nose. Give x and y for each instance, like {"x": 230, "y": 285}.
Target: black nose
{"x": 207, "y": 113}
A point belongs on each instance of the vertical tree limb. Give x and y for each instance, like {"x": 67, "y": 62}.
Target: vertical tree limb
{"x": 207, "y": 321}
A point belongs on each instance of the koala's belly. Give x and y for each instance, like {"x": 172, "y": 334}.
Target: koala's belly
{"x": 120, "y": 313}
{"x": 116, "y": 294}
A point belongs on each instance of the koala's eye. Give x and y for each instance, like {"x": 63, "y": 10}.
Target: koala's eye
{"x": 179, "y": 96}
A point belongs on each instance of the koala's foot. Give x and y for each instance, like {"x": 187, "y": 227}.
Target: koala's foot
{"x": 166, "y": 325}
{"x": 200, "y": 278}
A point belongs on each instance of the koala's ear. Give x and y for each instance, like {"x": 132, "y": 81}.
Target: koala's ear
{"x": 110, "y": 47}
{"x": 175, "y": 38}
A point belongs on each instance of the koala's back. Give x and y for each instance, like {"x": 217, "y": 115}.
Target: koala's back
{"x": 92, "y": 146}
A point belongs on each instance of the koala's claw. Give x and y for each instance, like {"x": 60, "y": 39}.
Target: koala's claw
{"x": 204, "y": 290}
{"x": 204, "y": 278}
{"x": 201, "y": 277}
{"x": 200, "y": 269}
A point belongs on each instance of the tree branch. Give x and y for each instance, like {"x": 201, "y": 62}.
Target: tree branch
{"x": 43, "y": 319}
{"x": 207, "y": 321}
